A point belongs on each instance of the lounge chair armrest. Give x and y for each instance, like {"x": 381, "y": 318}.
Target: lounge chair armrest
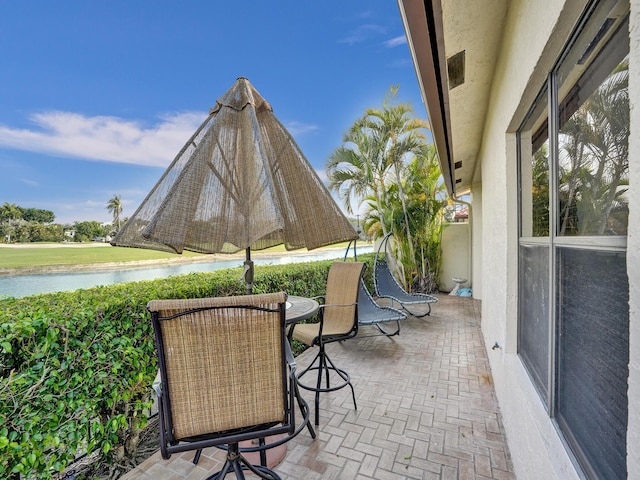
{"x": 157, "y": 384}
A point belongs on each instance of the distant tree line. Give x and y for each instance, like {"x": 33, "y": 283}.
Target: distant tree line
{"x": 23, "y": 225}
{"x": 10, "y": 212}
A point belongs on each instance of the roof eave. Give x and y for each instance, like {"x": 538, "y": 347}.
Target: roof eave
{"x": 425, "y": 35}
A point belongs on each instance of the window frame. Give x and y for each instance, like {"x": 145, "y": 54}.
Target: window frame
{"x": 555, "y": 242}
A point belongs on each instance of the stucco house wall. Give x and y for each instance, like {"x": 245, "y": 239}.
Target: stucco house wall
{"x": 456, "y": 256}
{"x": 529, "y": 48}
{"x": 534, "y": 34}
{"x": 531, "y": 42}
{"x": 475, "y": 220}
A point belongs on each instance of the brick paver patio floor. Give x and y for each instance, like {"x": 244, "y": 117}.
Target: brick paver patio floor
{"x": 426, "y": 410}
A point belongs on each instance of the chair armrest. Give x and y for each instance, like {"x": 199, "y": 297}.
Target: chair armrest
{"x": 157, "y": 384}
{"x": 321, "y": 312}
{"x": 317, "y": 297}
{"x": 323, "y": 306}
{"x": 338, "y": 304}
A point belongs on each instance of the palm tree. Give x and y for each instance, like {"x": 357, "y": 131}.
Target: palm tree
{"x": 10, "y": 211}
{"x": 425, "y": 202}
{"x": 356, "y": 169}
{"x": 428, "y": 202}
{"x": 374, "y": 153}
{"x": 403, "y": 138}
{"x": 387, "y": 164}
{"x": 609, "y": 110}
{"x": 114, "y": 206}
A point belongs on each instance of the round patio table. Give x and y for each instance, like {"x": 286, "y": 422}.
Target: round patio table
{"x": 297, "y": 309}
{"x": 300, "y": 308}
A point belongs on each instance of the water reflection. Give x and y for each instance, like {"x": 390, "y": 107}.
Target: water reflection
{"x": 25, "y": 285}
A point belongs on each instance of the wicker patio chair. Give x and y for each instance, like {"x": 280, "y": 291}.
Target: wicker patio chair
{"x": 226, "y": 376}
{"x": 386, "y": 285}
{"x": 337, "y": 320}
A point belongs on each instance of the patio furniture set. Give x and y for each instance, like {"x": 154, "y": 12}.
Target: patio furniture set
{"x": 228, "y": 378}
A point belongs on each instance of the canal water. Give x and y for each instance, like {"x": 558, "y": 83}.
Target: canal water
{"x": 24, "y": 285}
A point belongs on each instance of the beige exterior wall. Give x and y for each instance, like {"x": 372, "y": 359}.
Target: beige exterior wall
{"x": 534, "y": 35}
{"x": 530, "y": 46}
{"x": 475, "y": 221}
{"x": 456, "y": 256}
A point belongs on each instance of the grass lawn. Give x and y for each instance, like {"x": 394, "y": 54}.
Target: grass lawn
{"x": 53, "y": 254}
{"x": 36, "y": 256}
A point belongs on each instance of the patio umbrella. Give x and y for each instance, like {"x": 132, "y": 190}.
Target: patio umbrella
{"x": 240, "y": 183}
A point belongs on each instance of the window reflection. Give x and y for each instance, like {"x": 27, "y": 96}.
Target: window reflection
{"x": 540, "y": 190}
{"x": 534, "y": 171}
{"x": 593, "y": 158}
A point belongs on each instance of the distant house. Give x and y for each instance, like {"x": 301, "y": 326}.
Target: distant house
{"x": 461, "y": 215}
{"x": 534, "y": 111}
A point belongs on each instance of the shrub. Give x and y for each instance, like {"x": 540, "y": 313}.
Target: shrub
{"x": 76, "y": 367}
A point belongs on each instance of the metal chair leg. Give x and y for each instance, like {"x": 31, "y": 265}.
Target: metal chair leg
{"x": 196, "y": 457}
{"x": 324, "y": 365}
{"x": 238, "y": 464}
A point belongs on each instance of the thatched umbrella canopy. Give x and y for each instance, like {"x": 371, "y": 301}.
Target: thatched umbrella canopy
{"x": 240, "y": 183}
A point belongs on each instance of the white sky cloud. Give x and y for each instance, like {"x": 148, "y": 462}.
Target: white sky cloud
{"x": 31, "y": 183}
{"x": 112, "y": 139}
{"x": 362, "y": 33}
{"x": 401, "y": 63}
{"x": 299, "y": 128}
{"x": 107, "y": 138}
{"x": 94, "y": 203}
{"x": 396, "y": 41}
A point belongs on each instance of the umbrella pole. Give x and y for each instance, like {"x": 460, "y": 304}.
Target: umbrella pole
{"x": 248, "y": 271}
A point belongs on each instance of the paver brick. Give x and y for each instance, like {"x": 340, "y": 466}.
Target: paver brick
{"x": 368, "y": 466}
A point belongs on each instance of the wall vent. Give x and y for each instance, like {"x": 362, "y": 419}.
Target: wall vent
{"x": 455, "y": 69}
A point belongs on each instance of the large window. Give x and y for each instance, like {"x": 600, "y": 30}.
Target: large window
{"x": 573, "y": 320}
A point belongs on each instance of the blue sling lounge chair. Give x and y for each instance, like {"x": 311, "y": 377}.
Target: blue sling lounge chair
{"x": 386, "y": 285}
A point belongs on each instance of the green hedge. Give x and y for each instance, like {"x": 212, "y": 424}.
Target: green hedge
{"x": 76, "y": 367}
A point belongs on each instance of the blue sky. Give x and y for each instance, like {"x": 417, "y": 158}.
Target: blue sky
{"x": 97, "y": 97}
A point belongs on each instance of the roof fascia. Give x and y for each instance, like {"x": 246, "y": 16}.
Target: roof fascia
{"x": 422, "y": 20}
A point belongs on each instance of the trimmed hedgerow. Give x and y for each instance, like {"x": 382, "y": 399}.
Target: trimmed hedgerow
{"x": 76, "y": 367}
